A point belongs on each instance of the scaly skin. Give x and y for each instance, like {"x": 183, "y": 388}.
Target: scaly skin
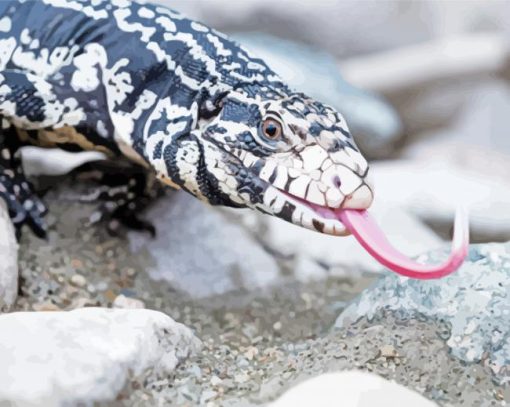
{"x": 193, "y": 107}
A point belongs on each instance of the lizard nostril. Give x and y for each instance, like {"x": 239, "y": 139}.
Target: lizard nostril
{"x": 337, "y": 182}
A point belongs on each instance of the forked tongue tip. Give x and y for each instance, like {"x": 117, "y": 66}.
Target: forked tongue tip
{"x": 370, "y": 236}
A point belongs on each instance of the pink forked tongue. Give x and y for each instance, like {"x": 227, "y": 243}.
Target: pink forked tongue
{"x": 367, "y": 232}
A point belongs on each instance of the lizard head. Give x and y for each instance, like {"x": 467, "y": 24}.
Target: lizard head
{"x": 284, "y": 154}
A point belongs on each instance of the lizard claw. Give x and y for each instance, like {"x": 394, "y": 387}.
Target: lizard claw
{"x": 23, "y": 205}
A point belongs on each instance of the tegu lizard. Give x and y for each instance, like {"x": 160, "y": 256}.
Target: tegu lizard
{"x": 178, "y": 100}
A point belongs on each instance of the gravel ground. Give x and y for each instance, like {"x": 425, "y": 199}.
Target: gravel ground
{"x": 257, "y": 343}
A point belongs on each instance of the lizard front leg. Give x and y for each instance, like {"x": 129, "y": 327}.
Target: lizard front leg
{"x": 26, "y": 102}
{"x": 24, "y": 206}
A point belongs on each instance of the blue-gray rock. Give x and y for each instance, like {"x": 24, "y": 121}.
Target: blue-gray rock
{"x": 374, "y": 123}
{"x": 201, "y": 252}
{"x": 474, "y": 301}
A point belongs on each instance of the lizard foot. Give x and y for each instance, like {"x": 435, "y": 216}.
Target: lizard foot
{"x": 122, "y": 193}
{"x": 24, "y": 206}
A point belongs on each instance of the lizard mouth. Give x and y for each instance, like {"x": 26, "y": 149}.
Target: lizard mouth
{"x": 303, "y": 213}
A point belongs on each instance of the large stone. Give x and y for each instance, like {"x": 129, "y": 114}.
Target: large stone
{"x": 200, "y": 251}
{"x": 350, "y": 389}
{"x": 474, "y": 302}
{"x": 373, "y": 122}
{"x": 85, "y": 356}
{"x": 8, "y": 259}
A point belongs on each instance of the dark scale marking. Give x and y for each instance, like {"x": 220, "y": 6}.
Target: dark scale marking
{"x": 315, "y": 129}
{"x": 246, "y": 142}
{"x": 272, "y": 178}
{"x": 254, "y": 187}
{"x": 298, "y": 131}
{"x": 170, "y": 157}
{"x": 257, "y": 167}
{"x": 239, "y": 112}
{"x": 318, "y": 225}
{"x": 288, "y": 182}
{"x": 158, "y": 150}
{"x": 287, "y": 211}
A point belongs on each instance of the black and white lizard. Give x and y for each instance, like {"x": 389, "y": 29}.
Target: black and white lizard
{"x": 174, "y": 97}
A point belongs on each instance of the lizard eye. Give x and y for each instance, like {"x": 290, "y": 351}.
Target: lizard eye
{"x": 272, "y": 129}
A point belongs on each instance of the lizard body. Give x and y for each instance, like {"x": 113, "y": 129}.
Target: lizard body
{"x": 172, "y": 95}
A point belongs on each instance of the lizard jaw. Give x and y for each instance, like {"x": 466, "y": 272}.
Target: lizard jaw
{"x": 303, "y": 213}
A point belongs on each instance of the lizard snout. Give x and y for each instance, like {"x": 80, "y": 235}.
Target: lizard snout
{"x": 362, "y": 198}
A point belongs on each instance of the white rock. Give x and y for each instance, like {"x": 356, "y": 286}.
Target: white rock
{"x": 350, "y": 389}
{"x": 199, "y": 250}
{"x": 8, "y": 259}
{"x": 53, "y": 161}
{"x": 86, "y": 355}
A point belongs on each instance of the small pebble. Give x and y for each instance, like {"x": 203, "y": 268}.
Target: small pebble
{"x": 388, "y": 351}
{"x": 251, "y": 352}
{"x": 241, "y": 377}
{"x": 121, "y": 301}
{"x": 76, "y": 263}
{"x": 131, "y": 272}
{"x": 81, "y": 302}
{"x": 207, "y": 395}
{"x": 45, "y": 306}
{"x": 499, "y": 395}
{"x": 78, "y": 280}
{"x": 102, "y": 286}
{"x": 216, "y": 381}
{"x": 110, "y": 295}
